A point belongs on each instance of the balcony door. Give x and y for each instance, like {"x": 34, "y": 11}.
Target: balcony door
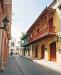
{"x": 50, "y": 25}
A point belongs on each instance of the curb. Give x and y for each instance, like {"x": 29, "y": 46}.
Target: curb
{"x": 26, "y": 58}
{"x": 52, "y": 68}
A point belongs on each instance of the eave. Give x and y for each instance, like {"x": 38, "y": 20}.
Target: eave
{"x": 41, "y": 15}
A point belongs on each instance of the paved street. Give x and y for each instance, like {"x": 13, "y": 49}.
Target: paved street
{"x": 21, "y": 66}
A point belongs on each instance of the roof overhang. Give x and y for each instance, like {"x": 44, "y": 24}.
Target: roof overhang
{"x": 46, "y": 10}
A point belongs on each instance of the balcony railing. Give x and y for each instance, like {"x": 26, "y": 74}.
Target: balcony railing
{"x": 24, "y": 44}
{"x": 41, "y": 33}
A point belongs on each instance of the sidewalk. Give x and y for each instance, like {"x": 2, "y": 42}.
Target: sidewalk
{"x": 27, "y": 57}
{"x": 50, "y": 64}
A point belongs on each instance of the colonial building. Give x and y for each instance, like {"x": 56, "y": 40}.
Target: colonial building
{"x": 24, "y": 45}
{"x": 57, "y": 5}
{"x": 44, "y": 36}
{"x": 12, "y": 46}
{"x": 5, "y": 30}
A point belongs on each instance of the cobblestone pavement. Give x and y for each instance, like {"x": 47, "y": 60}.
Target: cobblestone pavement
{"x": 22, "y": 66}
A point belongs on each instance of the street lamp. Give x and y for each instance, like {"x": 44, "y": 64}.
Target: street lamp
{"x": 5, "y": 23}
{"x": 59, "y": 7}
{"x": 58, "y": 37}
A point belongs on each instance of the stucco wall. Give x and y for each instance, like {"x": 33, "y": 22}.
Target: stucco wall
{"x": 56, "y": 22}
{"x": 46, "y": 42}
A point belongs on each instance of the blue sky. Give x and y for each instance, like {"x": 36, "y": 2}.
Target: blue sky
{"x": 25, "y": 13}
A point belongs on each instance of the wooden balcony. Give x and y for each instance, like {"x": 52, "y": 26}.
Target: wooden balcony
{"x": 42, "y": 33}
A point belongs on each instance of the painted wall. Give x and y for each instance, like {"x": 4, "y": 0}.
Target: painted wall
{"x": 58, "y": 53}
{"x": 56, "y": 22}
{"x": 46, "y": 42}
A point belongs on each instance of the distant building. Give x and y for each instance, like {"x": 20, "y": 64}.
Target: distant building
{"x": 24, "y": 45}
{"x": 43, "y": 39}
{"x": 12, "y": 46}
{"x": 18, "y": 50}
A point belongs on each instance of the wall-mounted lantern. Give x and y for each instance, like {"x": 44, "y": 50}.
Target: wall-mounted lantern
{"x": 5, "y": 23}
{"x": 59, "y": 7}
{"x": 58, "y": 37}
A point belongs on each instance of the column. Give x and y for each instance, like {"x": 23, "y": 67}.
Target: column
{"x": 46, "y": 51}
{"x": 30, "y": 50}
{"x": 39, "y": 51}
{"x": 48, "y": 47}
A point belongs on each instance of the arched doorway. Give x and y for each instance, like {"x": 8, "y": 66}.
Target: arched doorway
{"x": 53, "y": 51}
{"x": 42, "y": 52}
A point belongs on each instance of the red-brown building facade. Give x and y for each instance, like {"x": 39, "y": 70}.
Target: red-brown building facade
{"x": 43, "y": 39}
{"x": 5, "y": 34}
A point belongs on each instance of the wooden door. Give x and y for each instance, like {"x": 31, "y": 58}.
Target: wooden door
{"x": 53, "y": 51}
{"x": 42, "y": 52}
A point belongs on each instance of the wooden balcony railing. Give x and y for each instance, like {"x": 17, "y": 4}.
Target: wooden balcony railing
{"x": 42, "y": 32}
{"x": 39, "y": 34}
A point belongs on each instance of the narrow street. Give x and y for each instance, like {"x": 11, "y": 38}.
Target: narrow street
{"x": 30, "y": 29}
{"x": 21, "y": 66}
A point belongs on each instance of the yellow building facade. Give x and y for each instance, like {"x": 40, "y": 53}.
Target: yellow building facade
{"x": 44, "y": 35}
{"x": 47, "y": 45}
{"x": 57, "y": 23}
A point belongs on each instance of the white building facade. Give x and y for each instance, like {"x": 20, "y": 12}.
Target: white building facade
{"x": 12, "y": 46}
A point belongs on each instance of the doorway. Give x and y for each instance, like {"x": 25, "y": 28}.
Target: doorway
{"x": 53, "y": 51}
{"x": 42, "y": 52}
